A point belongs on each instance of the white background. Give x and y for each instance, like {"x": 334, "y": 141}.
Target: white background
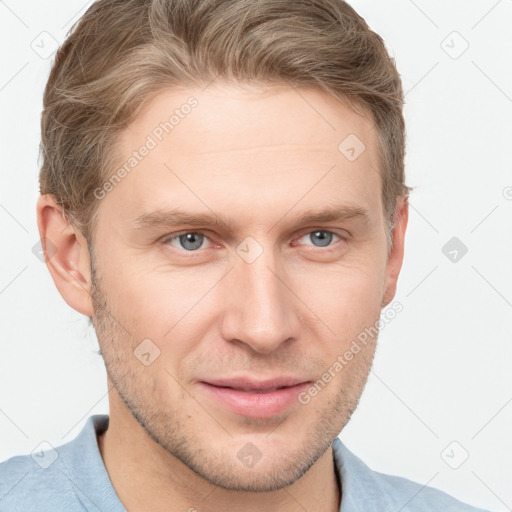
{"x": 442, "y": 372}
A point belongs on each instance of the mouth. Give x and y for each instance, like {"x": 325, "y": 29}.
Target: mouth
{"x": 254, "y": 399}
{"x": 252, "y": 390}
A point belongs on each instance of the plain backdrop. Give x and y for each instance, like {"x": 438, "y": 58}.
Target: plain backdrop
{"x": 438, "y": 404}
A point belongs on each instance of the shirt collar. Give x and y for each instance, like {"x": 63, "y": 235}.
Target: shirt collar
{"x": 85, "y": 469}
{"x": 360, "y": 489}
{"x": 89, "y": 478}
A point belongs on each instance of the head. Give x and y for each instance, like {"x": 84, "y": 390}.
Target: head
{"x": 223, "y": 183}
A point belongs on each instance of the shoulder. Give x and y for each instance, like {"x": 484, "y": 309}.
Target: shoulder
{"x": 410, "y": 496}
{"x": 29, "y": 484}
{"x": 377, "y": 491}
{"x": 69, "y": 477}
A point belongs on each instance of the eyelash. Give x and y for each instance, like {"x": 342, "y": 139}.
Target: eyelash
{"x": 167, "y": 240}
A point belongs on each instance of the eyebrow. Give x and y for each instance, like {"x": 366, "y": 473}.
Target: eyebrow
{"x": 171, "y": 217}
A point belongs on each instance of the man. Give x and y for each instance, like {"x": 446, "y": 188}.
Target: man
{"x": 222, "y": 194}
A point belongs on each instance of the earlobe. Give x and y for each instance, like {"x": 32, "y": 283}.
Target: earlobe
{"x": 395, "y": 259}
{"x": 66, "y": 254}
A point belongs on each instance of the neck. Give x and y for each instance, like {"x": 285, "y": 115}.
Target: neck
{"x": 145, "y": 476}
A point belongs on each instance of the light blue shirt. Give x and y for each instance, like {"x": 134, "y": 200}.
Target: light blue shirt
{"x": 73, "y": 478}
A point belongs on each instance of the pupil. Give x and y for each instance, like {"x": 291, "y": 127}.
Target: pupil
{"x": 188, "y": 238}
{"x": 325, "y": 238}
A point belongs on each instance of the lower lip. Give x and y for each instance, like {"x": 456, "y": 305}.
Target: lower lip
{"x": 255, "y": 405}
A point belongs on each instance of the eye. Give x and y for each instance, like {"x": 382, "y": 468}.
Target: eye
{"x": 321, "y": 238}
{"x": 192, "y": 241}
{"x": 189, "y": 240}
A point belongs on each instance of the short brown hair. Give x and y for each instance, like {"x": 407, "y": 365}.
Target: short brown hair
{"x": 121, "y": 53}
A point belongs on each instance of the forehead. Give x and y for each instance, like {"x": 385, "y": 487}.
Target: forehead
{"x": 230, "y": 146}
{"x": 231, "y": 117}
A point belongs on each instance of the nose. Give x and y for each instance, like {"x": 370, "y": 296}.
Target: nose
{"x": 260, "y": 309}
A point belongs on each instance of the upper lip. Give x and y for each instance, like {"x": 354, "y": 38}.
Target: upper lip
{"x": 248, "y": 384}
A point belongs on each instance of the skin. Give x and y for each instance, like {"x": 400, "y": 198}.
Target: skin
{"x": 259, "y": 157}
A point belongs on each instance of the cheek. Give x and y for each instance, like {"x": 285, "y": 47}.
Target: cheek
{"x": 159, "y": 302}
{"x": 155, "y": 300}
{"x": 345, "y": 298}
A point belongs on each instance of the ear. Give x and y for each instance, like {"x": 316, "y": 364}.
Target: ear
{"x": 396, "y": 255}
{"x": 66, "y": 254}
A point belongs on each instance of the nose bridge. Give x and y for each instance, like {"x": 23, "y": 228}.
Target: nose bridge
{"x": 260, "y": 311}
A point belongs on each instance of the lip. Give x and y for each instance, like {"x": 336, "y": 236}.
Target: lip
{"x": 255, "y": 399}
{"x": 247, "y": 384}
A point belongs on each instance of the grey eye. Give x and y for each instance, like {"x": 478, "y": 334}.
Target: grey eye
{"x": 189, "y": 241}
{"x": 324, "y": 238}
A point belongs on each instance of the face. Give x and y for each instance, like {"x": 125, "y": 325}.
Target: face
{"x": 244, "y": 245}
